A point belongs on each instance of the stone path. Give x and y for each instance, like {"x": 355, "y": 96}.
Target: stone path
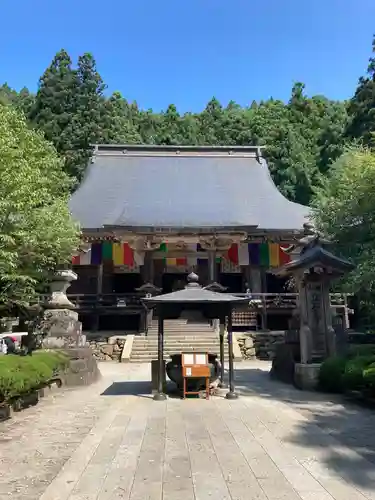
{"x": 111, "y": 442}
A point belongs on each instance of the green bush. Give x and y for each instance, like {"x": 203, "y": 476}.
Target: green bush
{"x": 352, "y": 378}
{"x": 331, "y": 374}
{"x": 369, "y": 378}
{"x": 22, "y": 374}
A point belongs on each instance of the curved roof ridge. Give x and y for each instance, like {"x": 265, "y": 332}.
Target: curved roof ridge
{"x": 264, "y": 164}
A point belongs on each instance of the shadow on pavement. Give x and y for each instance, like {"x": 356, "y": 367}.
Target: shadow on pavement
{"x": 352, "y": 425}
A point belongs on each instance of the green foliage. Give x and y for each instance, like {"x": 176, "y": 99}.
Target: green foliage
{"x": 361, "y": 106}
{"x": 352, "y": 378}
{"x": 69, "y": 108}
{"x": 369, "y": 378}
{"x": 302, "y": 137}
{"x": 36, "y": 230}
{"x": 331, "y": 373}
{"x": 339, "y": 373}
{"x": 345, "y": 211}
{"x": 21, "y": 374}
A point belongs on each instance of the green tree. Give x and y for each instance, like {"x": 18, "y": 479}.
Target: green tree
{"x": 86, "y": 126}
{"x": 69, "y": 108}
{"x": 362, "y": 106}
{"x": 36, "y": 230}
{"x": 345, "y": 211}
{"x": 119, "y": 126}
{"x": 55, "y": 102}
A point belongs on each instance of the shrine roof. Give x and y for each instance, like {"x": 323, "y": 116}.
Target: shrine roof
{"x": 316, "y": 256}
{"x": 182, "y": 187}
{"x": 193, "y": 293}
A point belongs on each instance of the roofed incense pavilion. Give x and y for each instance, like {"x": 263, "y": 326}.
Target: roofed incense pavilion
{"x": 152, "y": 214}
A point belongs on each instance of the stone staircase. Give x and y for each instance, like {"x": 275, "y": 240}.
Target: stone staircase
{"x": 179, "y": 336}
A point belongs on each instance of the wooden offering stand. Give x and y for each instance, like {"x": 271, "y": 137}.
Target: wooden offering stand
{"x": 195, "y": 365}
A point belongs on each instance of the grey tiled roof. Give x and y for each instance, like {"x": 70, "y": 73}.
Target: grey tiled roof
{"x": 193, "y": 293}
{"x": 182, "y": 188}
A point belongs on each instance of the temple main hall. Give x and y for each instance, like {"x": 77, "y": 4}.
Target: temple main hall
{"x": 152, "y": 214}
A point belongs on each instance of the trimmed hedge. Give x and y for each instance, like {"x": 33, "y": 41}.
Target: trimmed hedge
{"x": 354, "y": 372}
{"x": 22, "y": 374}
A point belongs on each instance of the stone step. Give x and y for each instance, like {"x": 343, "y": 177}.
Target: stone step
{"x": 181, "y": 338}
{"x": 207, "y": 348}
{"x": 176, "y": 351}
{"x": 178, "y": 330}
{"x": 169, "y": 340}
{"x": 146, "y": 358}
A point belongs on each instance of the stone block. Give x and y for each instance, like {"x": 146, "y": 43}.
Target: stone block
{"x": 249, "y": 342}
{"x": 107, "y": 349}
{"x": 306, "y": 376}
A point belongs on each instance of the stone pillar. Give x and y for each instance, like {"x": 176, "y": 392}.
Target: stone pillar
{"x": 60, "y": 324}
{"x": 305, "y": 332}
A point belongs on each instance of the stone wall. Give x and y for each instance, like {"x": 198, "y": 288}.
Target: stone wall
{"x": 260, "y": 344}
{"x": 106, "y": 348}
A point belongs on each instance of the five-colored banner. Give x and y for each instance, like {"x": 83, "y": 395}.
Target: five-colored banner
{"x": 242, "y": 254}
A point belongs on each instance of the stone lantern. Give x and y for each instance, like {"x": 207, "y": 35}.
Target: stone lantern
{"x": 60, "y": 324}
{"x": 314, "y": 268}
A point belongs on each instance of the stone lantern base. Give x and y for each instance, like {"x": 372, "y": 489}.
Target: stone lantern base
{"x": 62, "y": 329}
{"x": 60, "y": 324}
{"x": 306, "y": 376}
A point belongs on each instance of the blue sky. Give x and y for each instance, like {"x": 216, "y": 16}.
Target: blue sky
{"x": 186, "y": 51}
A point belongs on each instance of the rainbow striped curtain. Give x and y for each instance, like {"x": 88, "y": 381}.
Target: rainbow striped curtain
{"x": 243, "y": 254}
{"x": 258, "y": 254}
{"x": 107, "y": 251}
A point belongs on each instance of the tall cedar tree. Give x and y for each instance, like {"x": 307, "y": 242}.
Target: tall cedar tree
{"x": 86, "y": 127}
{"x": 118, "y": 120}
{"x": 69, "y": 108}
{"x": 362, "y": 106}
{"x": 302, "y": 137}
{"x": 55, "y": 102}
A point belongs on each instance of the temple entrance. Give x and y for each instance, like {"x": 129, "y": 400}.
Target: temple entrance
{"x": 126, "y": 282}
{"x": 232, "y": 281}
{"x": 276, "y": 284}
{"x": 172, "y": 282}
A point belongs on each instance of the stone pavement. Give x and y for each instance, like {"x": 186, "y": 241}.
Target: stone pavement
{"x": 111, "y": 441}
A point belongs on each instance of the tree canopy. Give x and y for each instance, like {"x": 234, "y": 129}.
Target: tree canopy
{"x": 344, "y": 208}
{"x": 302, "y": 137}
{"x": 36, "y": 230}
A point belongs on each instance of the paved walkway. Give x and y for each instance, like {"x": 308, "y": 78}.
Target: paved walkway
{"x": 111, "y": 441}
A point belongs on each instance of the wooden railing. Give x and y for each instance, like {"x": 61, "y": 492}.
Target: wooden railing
{"x": 107, "y": 301}
{"x": 134, "y": 299}
{"x": 289, "y": 300}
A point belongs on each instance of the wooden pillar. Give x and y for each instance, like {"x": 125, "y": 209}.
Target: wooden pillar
{"x": 160, "y": 396}
{"x": 148, "y": 267}
{"x": 222, "y": 331}
{"x": 99, "y": 290}
{"x": 255, "y": 279}
{"x": 231, "y": 394}
{"x": 212, "y": 274}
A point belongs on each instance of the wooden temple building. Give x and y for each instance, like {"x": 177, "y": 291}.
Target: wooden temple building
{"x": 153, "y": 214}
